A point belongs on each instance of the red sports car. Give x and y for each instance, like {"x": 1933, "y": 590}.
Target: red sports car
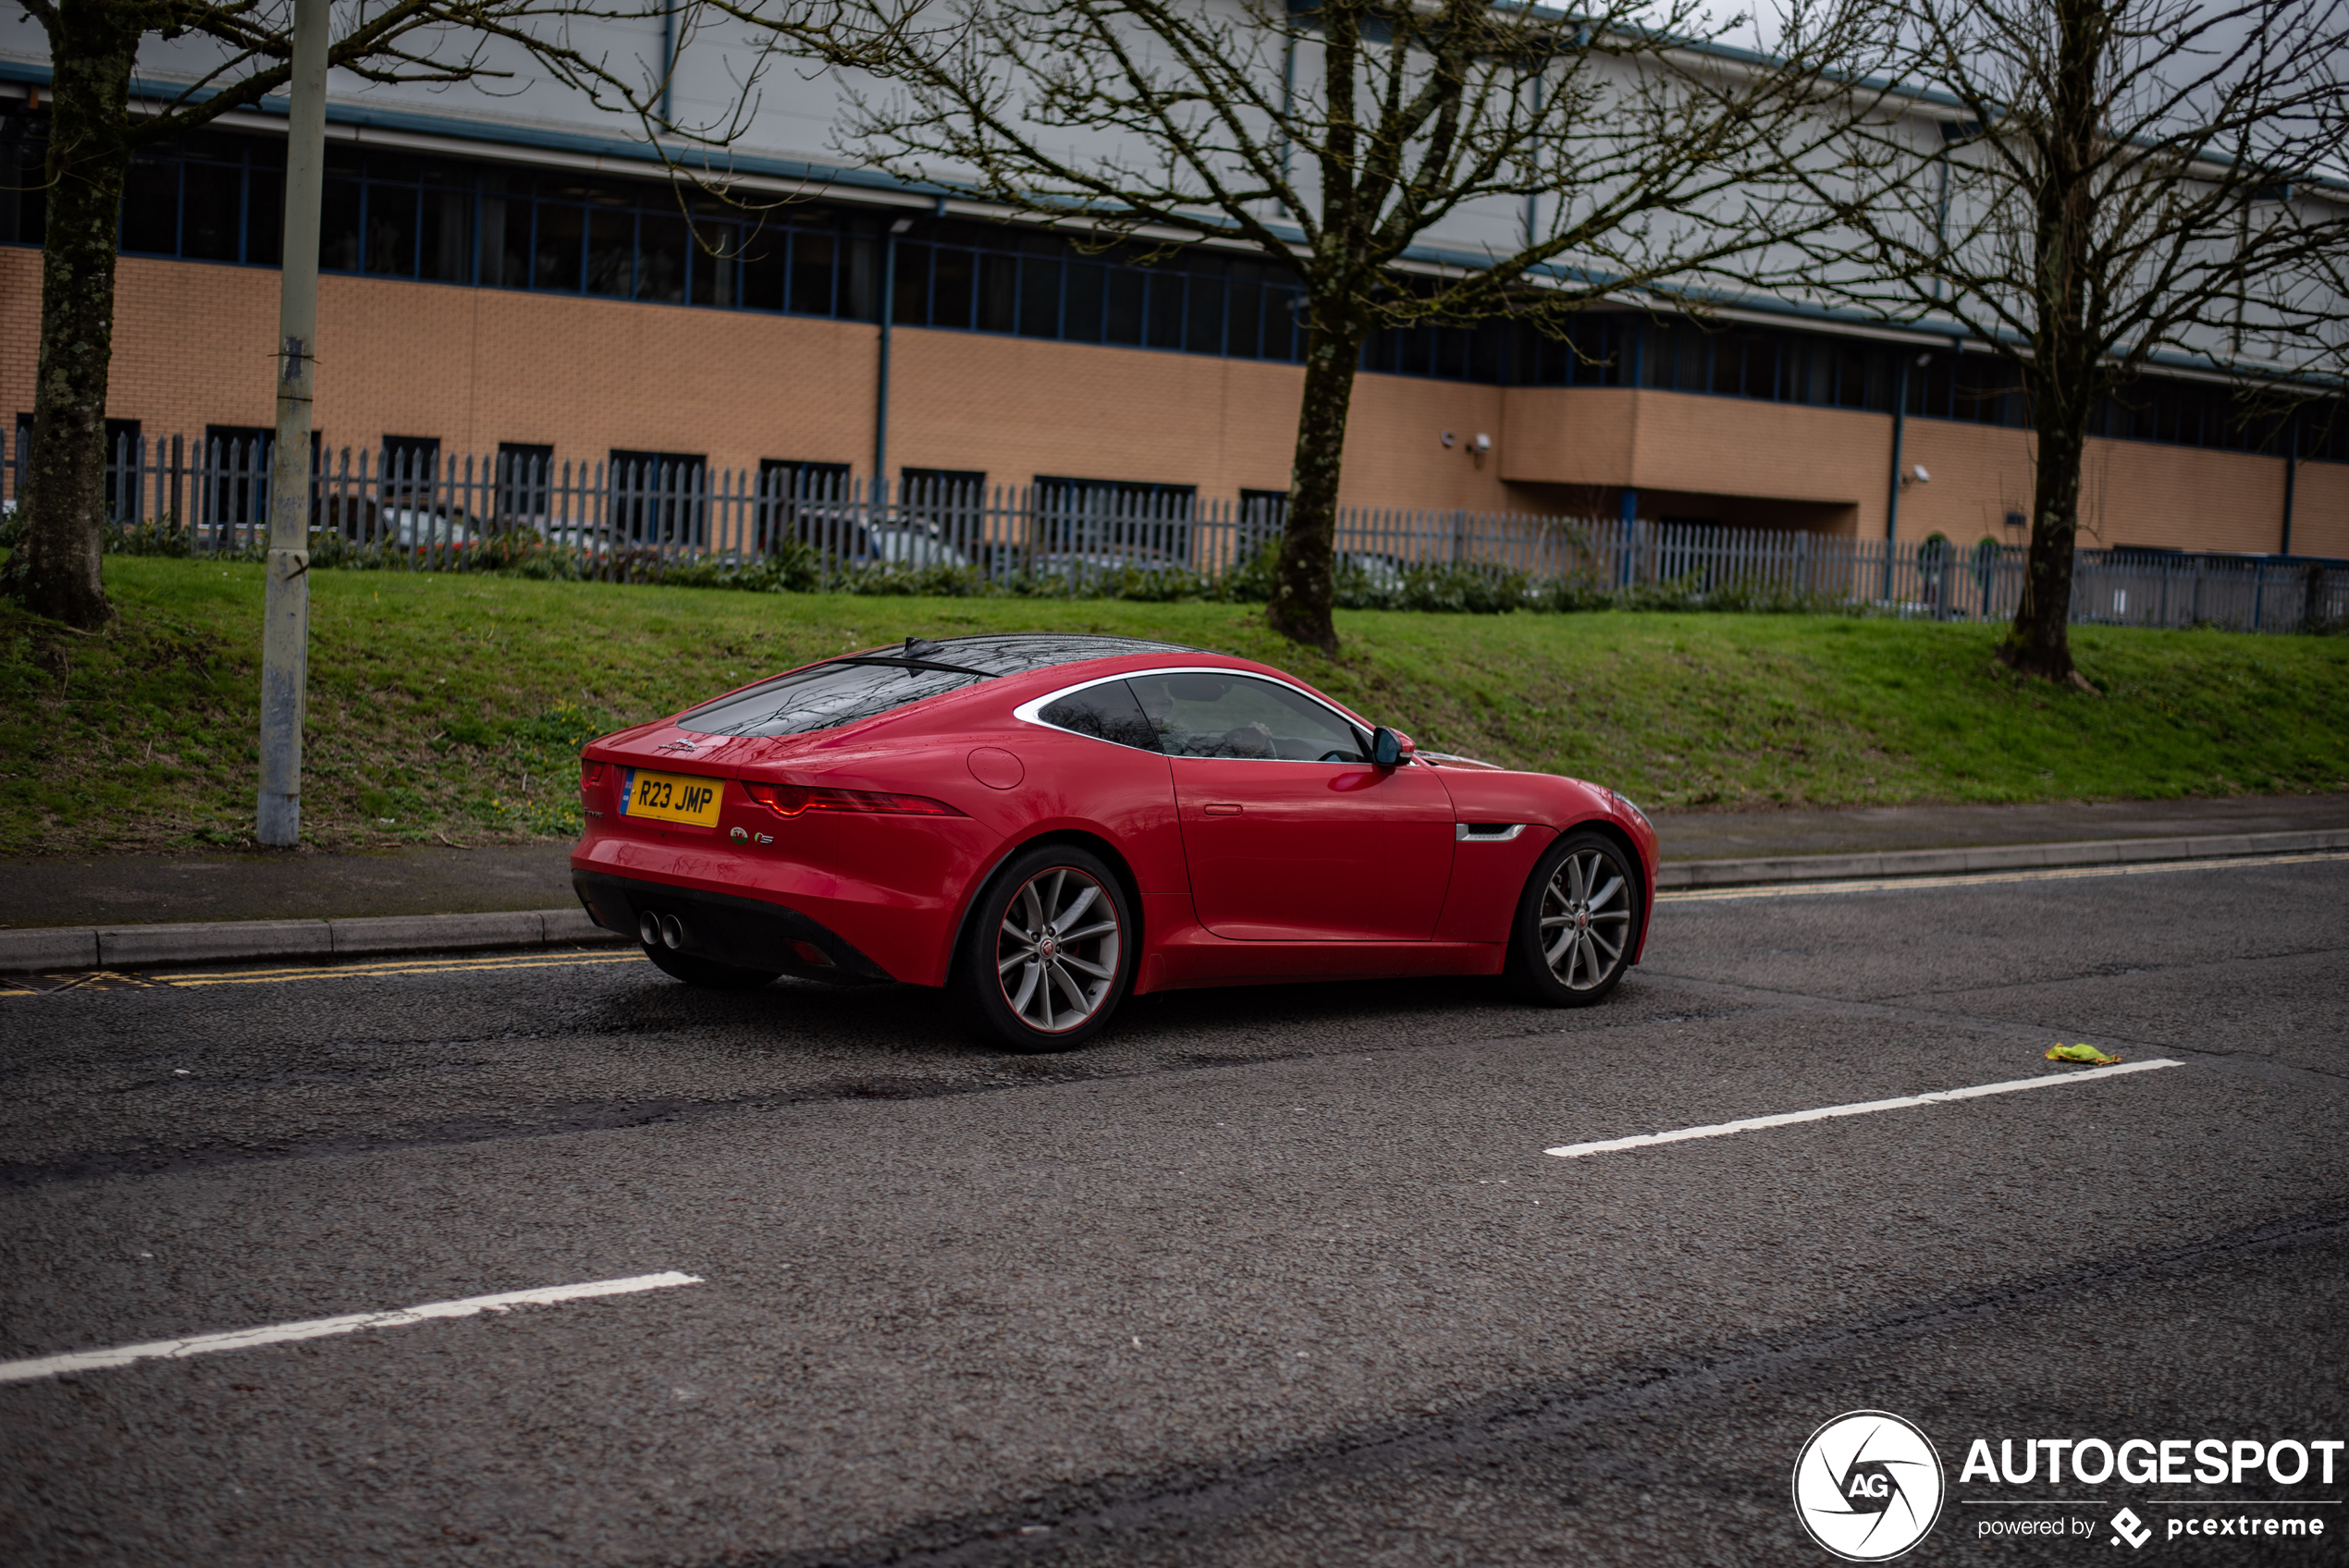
{"x": 1044, "y": 824}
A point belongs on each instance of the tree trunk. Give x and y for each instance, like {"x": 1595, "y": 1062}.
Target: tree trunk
{"x": 1303, "y": 581}
{"x": 92, "y": 45}
{"x": 2040, "y": 642}
{"x": 2062, "y": 373}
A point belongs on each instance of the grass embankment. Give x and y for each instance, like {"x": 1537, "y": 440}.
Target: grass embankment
{"x": 448, "y": 707}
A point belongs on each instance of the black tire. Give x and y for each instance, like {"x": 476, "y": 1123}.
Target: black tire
{"x": 706, "y": 973}
{"x": 1583, "y": 906}
{"x": 1018, "y": 976}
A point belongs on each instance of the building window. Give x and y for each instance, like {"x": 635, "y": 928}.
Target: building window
{"x": 211, "y": 196}
{"x": 1762, "y": 364}
{"x": 237, "y": 459}
{"x": 124, "y": 455}
{"x": 1264, "y": 509}
{"x": 993, "y": 277}
{"x": 525, "y": 483}
{"x": 659, "y": 498}
{"x": 1124, "y": 497}
{"x": 409, "y": 467}
{"x": 961, "y": 485}
{"x": 1973, "y": 388}
{"x": 798, "y": 500}
{"x": 24, "y": 205}
{"x": 2200, "y": 413}
{"x": 1114, "y": 522}
{"x": 219, "y": 196}
{"x": 1594, "y": 350}
{"x": 938, "y": 493}
{"x": 792, "y": 479}
{"x": 2324, "y": 430}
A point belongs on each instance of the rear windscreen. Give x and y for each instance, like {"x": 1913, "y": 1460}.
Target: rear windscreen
{"x": 843, "y": 692}
{"x": 820, "y": 698}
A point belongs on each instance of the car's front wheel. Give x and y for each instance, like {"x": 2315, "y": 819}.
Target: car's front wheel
{"x": 1577, "y": 923}
{"x": 1048, "y": 953}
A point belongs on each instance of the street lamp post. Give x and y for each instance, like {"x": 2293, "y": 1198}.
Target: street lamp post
{"x": 285, "y": 627}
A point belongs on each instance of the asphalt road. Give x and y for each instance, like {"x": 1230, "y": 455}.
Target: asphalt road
{"x": 1266, "y": 1277}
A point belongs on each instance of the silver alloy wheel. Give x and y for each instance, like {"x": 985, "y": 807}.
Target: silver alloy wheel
{"x": 1057, "y": 952}
{"x": 1586, "y": 919}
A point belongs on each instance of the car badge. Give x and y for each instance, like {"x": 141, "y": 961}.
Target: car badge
{"x": 679, "y": 744}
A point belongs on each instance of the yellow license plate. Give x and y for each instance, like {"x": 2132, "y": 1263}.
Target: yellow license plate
{"x": 673, "y": 796}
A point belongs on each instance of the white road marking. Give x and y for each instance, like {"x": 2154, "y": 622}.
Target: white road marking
{"x": 319, "y": 1327}
{"x": 1972, "y": 878}
{"x": 1863, "y": 1107}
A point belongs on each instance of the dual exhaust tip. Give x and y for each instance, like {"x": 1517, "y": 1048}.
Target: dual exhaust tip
{"x": 659, "y": 930}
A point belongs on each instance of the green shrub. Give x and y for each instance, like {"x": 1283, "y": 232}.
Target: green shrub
{"x": 1571, "y": 595}
{"x": 153, "y": 536}
{"x": 1146, "y": 585}
{"x": 895, "y": 580}
{"x": 794, "y": 567}
{"x": 1358, "y": 581}
{"x": 1362, "y": 580}
{"x": 1464, "y": 589}
{"x": 1250, "y": 580}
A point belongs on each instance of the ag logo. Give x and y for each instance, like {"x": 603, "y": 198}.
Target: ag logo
{"x": 1868, "y": 1486}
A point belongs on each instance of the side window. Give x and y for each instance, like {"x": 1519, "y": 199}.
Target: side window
{"x": 1107, "y": 712}
{"x": 1206, "y": 714}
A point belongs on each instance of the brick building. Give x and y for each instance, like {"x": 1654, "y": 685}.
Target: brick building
{"x": 532, "y": 287}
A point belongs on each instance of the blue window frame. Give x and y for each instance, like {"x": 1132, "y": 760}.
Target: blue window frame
{"x": 988, "y": 278}
{"x": 1765, "y": 363}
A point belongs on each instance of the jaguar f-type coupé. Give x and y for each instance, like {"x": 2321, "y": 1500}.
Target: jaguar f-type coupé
{"x": 1048, "y": 824}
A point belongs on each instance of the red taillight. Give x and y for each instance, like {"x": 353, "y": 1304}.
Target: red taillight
{"x": 590, "y": 775}
{"x": 793, "y": 800}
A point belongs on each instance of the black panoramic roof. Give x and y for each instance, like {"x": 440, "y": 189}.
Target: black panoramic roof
{"x": 858, "y": 686}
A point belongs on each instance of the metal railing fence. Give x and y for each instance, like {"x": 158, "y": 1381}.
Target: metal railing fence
{"x": 624, "y": 521}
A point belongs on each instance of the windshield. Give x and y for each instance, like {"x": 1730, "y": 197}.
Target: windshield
{"x": 865, "y": 685}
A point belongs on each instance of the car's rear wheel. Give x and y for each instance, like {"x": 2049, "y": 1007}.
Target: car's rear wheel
{"x": 1577, "y": 923}
{"x": 1048, "y": 953}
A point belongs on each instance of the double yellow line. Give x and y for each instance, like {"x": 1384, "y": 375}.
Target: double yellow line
{"x": 279, "y": 976}
{"x": 420, "y": 966}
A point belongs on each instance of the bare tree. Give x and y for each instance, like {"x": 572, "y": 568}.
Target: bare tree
{"x": 2111, "y": 183}
{"x": 94, "y": 128}
{"x": 1618, "y": 153}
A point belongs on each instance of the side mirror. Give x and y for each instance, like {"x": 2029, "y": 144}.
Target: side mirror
{"x": 1389, "y": 748}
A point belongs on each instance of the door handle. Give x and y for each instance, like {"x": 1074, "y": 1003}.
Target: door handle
{"x": 1221, "y": 809}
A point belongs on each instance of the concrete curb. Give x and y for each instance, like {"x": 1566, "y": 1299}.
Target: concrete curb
{"x": 130, "y": 947}
{"x": 1997, "y": 857}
